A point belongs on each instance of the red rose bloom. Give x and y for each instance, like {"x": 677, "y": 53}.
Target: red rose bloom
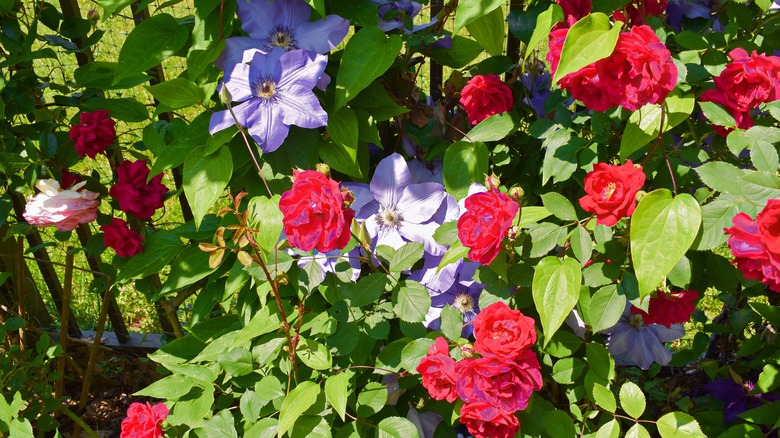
{"x": 486, "y": 421}
{"x": 69, "y": 179}
{"x": 505, "y": 383}
{"x": 143, "y": 420}
{"x": 93, "y": 134}
{"x": 668, "y": 309}
{"x": 503, "y": 332}
{"x": 742, "y": 118}
{"x": 315, "y": 212}
{"x": 749, "y": 80}
{"x": 135, "y": 195}
{"x": 484, "y": 96}
{"x": 610, "y": 191}
{"x": 754, "y": 245}
{"x": 636, "y": 12}
{"x": 486, "y": 223}
{"x": 576, "y": 9}
{"x": 438, "y": 371}
{"x": 121, "y": 238}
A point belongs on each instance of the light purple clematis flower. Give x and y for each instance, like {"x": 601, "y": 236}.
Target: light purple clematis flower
{"x": 631, "y": 342}
{"x": 281, "y": 24}
{"x": 391, "y": 13}
{"x": 275, "y": 91}
{"x": 399, "y": 211}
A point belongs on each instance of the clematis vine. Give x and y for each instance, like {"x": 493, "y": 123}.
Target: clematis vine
{"x": 282, "y": 24}
{"x": 399, "y": 211}
{"x": 274, "y": 92}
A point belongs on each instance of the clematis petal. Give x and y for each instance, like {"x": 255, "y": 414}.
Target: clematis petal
{"x": 419, "y": 202}
{"x": 223, "y": 119}
{"x": 238, "y": 83}
{"x": 267, "y": 129}
{"x": 259, "y": 18}
{"x": 301, "y": 68}
{"x": 236, "y": 51}
{"x": 390, "y": 237}
{"x": 323, "y": 35}
{"x": 422, "y": 233}
{"x": 390, "y": 178}
{"x": 299, "y": 106}
{"x": 267, "y": 65}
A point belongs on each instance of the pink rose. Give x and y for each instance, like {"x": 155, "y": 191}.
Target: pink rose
{"x": 438, "y": 371}
{"x": 486, "y": 223}
{"x": 121, "y": 238}
{"x": 486, "y": 421}
{"x": 316, "y": 213}
{"x": 144, "y": 420}
{"x": 93, "y": 134}
{"x": 503, "y": 332}
{"x": 506, "y": 383}
{"x": 610, "y": 191}
{"x": 754, "y": 245}
{"x": 65, "y": 209}
{"x": 134, "y": 194}
{"x": 484, "y": 96}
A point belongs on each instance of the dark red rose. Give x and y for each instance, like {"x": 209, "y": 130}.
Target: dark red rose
{"x": 636, "y": 12}
{"x": 667, "y": 309}
{"x": 742, "y": 118}
{"x": 749, "y": 80}
{"x": 486, "y": 421}
{"x": 501, "y": 331}
{"x": 93, "y": 134}
{"x": 754, "y": 247}
{"x": 438, "y": 371}
{"x": 316, "y": 213}
{"x": 506, "y": 383}
{"x": 144, "y": 420}
{"x": 575, "y": 8}
{"x": 121, "y": 238}
{"x": 484, "y": 96}
{"x": 486, "y": 223}
{"x": 69, "y": 179}
{"x": 610, "y": 191}
{"x": 134, "y": 194}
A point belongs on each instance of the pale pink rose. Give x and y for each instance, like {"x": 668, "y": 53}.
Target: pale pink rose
{"x": 65, "y": 209}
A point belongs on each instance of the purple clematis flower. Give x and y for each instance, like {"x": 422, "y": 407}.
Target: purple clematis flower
{"x": 281, "y": 24}
{"x": 538, "y": 87}
{"x": 275, "y": 91}
{"x": 391, "y": 13}
{"x": 678, "y": 9}
{"x": 631, "y": 342}
{"x": 399, "y": 211}
{"x": 737, "y": 397}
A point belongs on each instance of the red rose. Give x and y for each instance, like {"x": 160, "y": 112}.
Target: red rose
{"x": 754, "y": 245}
{"x": 742, "y": 118}
{"x": 503, "y": 332}
{"x": 121, "y": 238}
{"x": 555, "y": 46}
{"x": 668, "y": 309}
{"x": 749, "y": 80}
{"x": 143, "y": 420}
{"x": 315, "y": 212}
{"x": 438, "y": 371}
{"x": 610, "y": 191}
{"x": 486, "y": 223}
{"x": 575, "y": 8}
{"x": 69, "y": 179}
{"x": 134, "y": 194}
{"x": 486, "y": 421}
{"x": 586, "y": 86}
{"x": 93, "y": 134}
{"x": 484, "y": 96}
{"x": 505, "y": 383}
{"x": 637, "y": 11}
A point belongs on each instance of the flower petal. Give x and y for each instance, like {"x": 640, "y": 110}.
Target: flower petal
{"x": 419, "y": 202}
{"x": 299, "y": 106}
{"x": 266, "y": 128}
{"x": 300, "y": 68}
{"x": 223, "y": 119}
{"x": 390, "y": 178}
{"x": 238, "y": 83}
{"x": 323, "y": 35}
{"x": 235, "y": 51}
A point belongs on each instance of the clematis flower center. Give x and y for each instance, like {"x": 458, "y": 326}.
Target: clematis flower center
{"x": 608, "y": 190}
{"x": 281, "y": 37}
{"x": 389, "y": 217}
{"x": 464, "y": 303}
{"x": 264, "y": 89}
{"x": 636, "y": 321}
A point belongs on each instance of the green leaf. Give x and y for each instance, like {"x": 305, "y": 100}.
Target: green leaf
{"x": 764, "y": 156}
{"x": 567, "y": 370}
{"x": 661, "y": 221}
{"x": 368, "y": 54}
{"x": 237, "y": 362}
{"x": 587, "y": 41}
{"x": 348, "y": 159}
{"x": 221, "y": 425}
{"x": 532, "y": 215}
{"x": 720, "y": 176}
{"x": 637, "y": 431}
{"x": 643, "y": 124}
{"x": 556, "y": 290}
{"x": 314, "y": 354}
{"x": 343, "y": 127}
{"x": 677, "y": 425}
{"x": 319, "y": 6}
{"x": 367, "y": 290}
{"x": 604, "y": 398}
{"x": 377, "y": 102}
{"x": 111, "y": 6}
{"x": 451, "y": 323}
{"x": 406, "y": 256}
{"x": 464, "y": 163}
{"x": 413, "y": 353}
{"x": 559, "y": 206}
{"x": 469, "y": 11}
{"x": 456, "y": 252}
{"x": 715, "y": 216}
{"x": 301, "y": 398}
{"x": 757, "y": 136}
{"x": 159, "y": 249}
{"x": 488, "y": 30}
{"x": 152, "y": 41}
{"x": 463, "y": 51}
{"x": 171, "y": 387}
{"x": 495, "y": 127}
{"x": 447, "y": 233}
{"x": 560, "y": 156}
{"x": 205, "y": 179}
{"x": 126, "y": 110}
{"x": 336, "y": 388}
{"x": 632, "y": 399}
{"x": 765, "y": 414}
{"x": 544, "y": 24}
{"x": 191, "y": 265}
{"x": 606, "y": 307}
{"x": 758, "y": 187}
{"x": 371, "y": 399}
{"x": 768, "y": 380}
{"x": 411, "y": 301}
{"x": 717, "y": 115}
{"x": 265, "y": 216}
{"x": 10, "y": 162}
{"x": 177, "y": 93}
{"x": 581, "y": 244}
{"x": 201, "y": 56}
{"x": 610, "y": 429}
{"x": 99, "y": 74}
{"x": 397, "y": 427}
{"x": 770, "y": 313}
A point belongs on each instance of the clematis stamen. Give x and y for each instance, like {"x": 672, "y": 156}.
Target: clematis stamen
{"x": 282, "y": 37}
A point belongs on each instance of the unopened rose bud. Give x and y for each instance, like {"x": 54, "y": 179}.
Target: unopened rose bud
{"x": 514, "y": 230}
{"x": 323, "y": 169}
{"x": 467, "y": 350}
{"x": 516, "y": 193}
{"x": 639, "y": 195}
{"x": 93, "y": 15}
{"x": 492, "y": 182}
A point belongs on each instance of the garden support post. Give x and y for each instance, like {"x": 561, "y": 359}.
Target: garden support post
{"x": 66, "y": 293}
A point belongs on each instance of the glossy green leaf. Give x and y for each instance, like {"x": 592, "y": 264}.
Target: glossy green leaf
{"x": 556, "y": 289}
{"x": 637, "y": 431}
{"x": 606, "y": 308}
{"x": 632, "y": 399}
{"x": 171, "y": 387}
{"x": 368, "y": 54}
{"x": 559, "y": 206}
{"x": 152, "y": 41}
{"x": 544, "y": 24}
{"x": 397, "y": 427}
{"x": 604, "y": 398}
{"x": 611, "y": 429}
{"x": 456, "y": 252}
{"x": 411, "y": 301}
{"x": 237, "y": 362}
{"x": 371, "y": 399}
{"x": 159, "y": 249}
{"x": 588, "y": 40}
{"x": 717, "y": 115}
{"x": 567, "y": 370}
{"x": 336, "y": 387}
{"x": 314, "y": 354}
{"x": 470, "y": 11}
{"x": 643, "y": 124}
{"x": 350, "y": 159}
{"x": 720, "y": 176}
{"x": 177, "y": 93}
{"x": 678, "y": 425}
{"x": 413, "y": 353}
{"x": 265, "y": 216}
{"x": 205, "y": 179}
{"x": 126, "y": 110}
{"x": 488, "y": 30}
{"x": 581, "y": 244}
{"x": 406, "y": 256}
{"x": 451, "y": 322}
{"x": 191, "y": 265}
{"x": 464, "y": 163}
{"x": 495, "y": 127}
{"x": 296, "y": 403}
{"x": 716, "y": 216}
{"x": 463, "y": 51}
{"x": 661, "y": 221}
